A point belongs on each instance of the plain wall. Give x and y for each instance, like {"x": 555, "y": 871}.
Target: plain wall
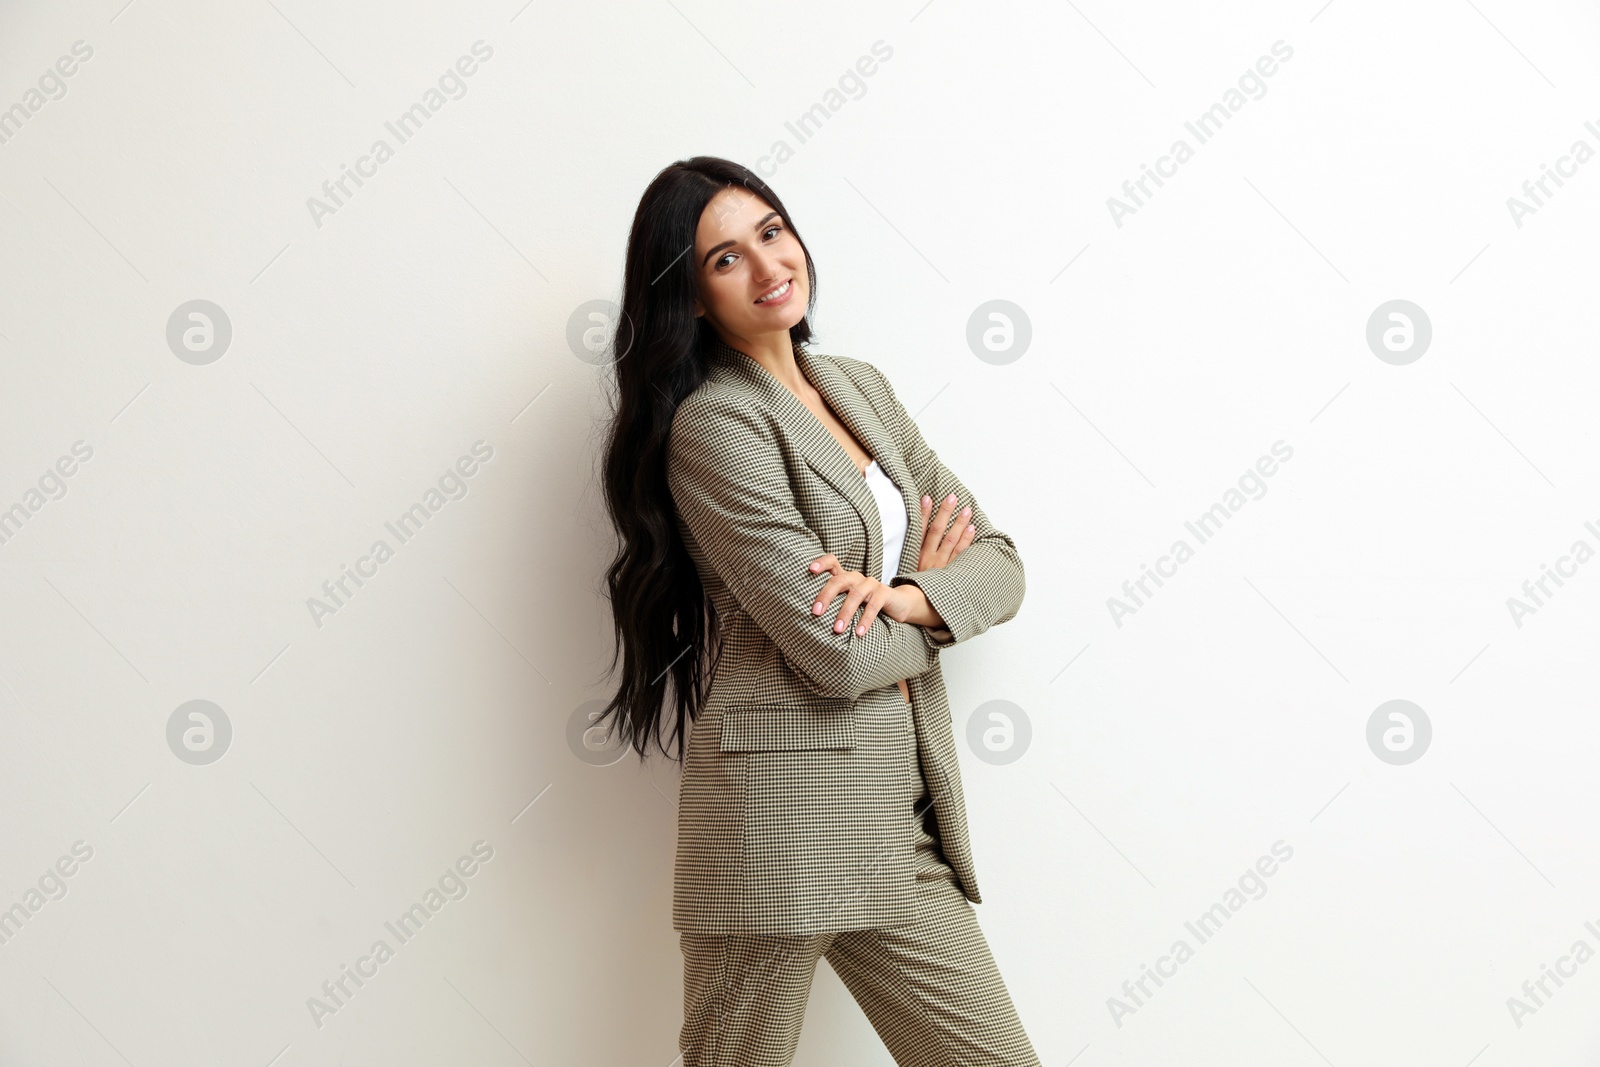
{"x": 1172, "y": 746}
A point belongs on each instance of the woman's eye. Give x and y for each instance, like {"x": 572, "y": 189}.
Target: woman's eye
{"x": 774, "y": 228}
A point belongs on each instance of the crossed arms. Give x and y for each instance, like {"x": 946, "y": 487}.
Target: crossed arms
{"x": 732, "y": 490}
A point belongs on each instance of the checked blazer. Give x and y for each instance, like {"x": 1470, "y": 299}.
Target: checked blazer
{"x": 795, "y": 801}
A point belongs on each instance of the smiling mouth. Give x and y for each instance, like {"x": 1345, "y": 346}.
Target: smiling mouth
{"x": 779, "y": 293}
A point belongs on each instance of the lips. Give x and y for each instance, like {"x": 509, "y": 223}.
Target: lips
{"x": 777, "y": 294}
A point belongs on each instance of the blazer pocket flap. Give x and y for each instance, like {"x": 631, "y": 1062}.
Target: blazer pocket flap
{"x": 789, "y": 724}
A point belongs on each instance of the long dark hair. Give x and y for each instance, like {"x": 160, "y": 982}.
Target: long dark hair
{"x": 665, "y": 624}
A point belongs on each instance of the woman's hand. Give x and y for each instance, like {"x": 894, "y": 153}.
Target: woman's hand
{"x": 940, "y": 546}
{"x": 895, "y": 601}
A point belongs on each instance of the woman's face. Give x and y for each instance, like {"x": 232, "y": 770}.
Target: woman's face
{"x": 743, "y": 251}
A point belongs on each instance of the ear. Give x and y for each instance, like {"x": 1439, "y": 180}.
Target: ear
{"x": 698, "y": 310}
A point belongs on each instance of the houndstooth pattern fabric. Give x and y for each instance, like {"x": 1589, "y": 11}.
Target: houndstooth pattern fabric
{"x": 930, "y": 988}
{"x": 927, "y": 858}
{"x": 799, "y": 776}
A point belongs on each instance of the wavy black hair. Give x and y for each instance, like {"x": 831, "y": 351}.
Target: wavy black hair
{"x": 665, "y": 625}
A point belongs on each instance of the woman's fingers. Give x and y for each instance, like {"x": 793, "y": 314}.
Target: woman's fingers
{"x": 933, "y": 531}
{"x": 858, "y": 594}
{"x": 841, "y": 582}
{"x": 941, "y": 542}
{"x": 967, "y": 535}
{"x": 821, "y": 565}
{"x": 826, "y": 562}
{"x": 874, "y": 603}
{"x": 946, "y": 542}
{"x": 856, "y": 589}
{"x": 959, "y": 536}
{"x": 849, "y": 583}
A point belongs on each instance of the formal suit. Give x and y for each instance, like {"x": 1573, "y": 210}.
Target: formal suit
{"x": 797, "y": 839}
{"x": 795, "y": 823}
{"x": 794, "y": 793}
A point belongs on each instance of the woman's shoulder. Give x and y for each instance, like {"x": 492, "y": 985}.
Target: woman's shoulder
{"x": 715, "y": 410}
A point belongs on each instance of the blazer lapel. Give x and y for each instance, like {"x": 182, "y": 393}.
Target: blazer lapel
{"x": 823, "y": 451}
{"x": 881, "y": 443}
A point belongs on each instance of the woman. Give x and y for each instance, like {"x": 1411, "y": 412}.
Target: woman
{"x": 820, "y": 809}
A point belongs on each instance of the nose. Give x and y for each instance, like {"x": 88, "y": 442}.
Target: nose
{"x": 763, "y": 265}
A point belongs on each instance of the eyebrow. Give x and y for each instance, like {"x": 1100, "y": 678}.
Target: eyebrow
{"x": 714, "y": 249}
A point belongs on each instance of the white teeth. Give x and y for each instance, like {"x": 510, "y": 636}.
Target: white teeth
{"x": 779, "y": 291}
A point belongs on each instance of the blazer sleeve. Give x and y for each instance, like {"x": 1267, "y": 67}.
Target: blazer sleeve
{"x": 984, "y": 584}
{"x": 730, "y": 486}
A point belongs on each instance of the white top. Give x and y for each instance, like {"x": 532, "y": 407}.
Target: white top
{"x": 892, "y": 513}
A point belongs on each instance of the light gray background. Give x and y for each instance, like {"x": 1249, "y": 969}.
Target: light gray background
{"x": 430, "y": 712}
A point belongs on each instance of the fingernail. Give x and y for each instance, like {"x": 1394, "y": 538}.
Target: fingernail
{"x": 816, "y": 609}
{"x": 860, "y": 630}
{"x": 838, "y": 627}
